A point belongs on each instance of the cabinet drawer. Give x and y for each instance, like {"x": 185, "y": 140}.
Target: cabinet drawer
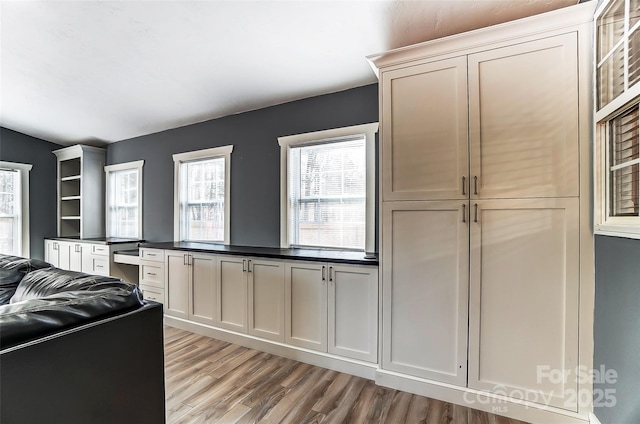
{"x": 152, "y": 293}
{"x": 98, "y": 249}
{"x": 100, "y": 266}
{"x": 155, "y": 255}
{"x": 152, "y": 274}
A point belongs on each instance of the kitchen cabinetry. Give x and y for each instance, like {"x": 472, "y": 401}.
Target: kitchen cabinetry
{"x": 80, "y": 191}
{"x": 266, "y": 298}
{"x": 190, "y": 282}
{"x": 485, "y": 207}
{"x": 332, "y": 308}
{"x": 82, "y": 256}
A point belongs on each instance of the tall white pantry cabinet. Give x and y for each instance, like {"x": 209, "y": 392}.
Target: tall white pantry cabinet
{"x": 486, "y": 241}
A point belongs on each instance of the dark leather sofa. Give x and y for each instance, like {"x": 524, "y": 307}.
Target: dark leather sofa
{"x": 77, "y": 348}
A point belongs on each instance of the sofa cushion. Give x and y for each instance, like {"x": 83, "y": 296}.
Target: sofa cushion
{"x": 37, "y": 317}
{"x": 45, "y": 282}
{"x": 23, "y": 265}
{"x": 9, "y": 280}
{"x": 12, "y": 269}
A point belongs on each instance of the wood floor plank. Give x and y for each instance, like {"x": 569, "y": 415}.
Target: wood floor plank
{"x": 212, "y": 381}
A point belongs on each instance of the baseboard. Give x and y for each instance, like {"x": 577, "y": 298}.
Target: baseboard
{"x": 483, "y": 401}
{"x": 325, "y": 360}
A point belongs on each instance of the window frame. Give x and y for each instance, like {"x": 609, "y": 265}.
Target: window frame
{"x": 604, "y": 223}
{"x": 23, "y": 169}
{"x": 195, "y": 156}
{"x": 329, "y": 136}
{"x": 126, "y": 166}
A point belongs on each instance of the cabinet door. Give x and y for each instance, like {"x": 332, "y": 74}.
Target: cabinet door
{"x": 75, "y": 257}
{"x": 51, "y": 252}
{"x": 353, "y": 311}
{"x": 64, "y": 255}
{"x": 424, "y": 131}
{"x": 177, "y": 284}
{"x": 202, "y": 299}
{"x": 232, "y": 293}
{"x": 425, "y": 287}
{"x": 523, "y": 103}
{"x": 266, "y": 299}
{"x": 306, "y": 305}
{"x": 524, "y": 298}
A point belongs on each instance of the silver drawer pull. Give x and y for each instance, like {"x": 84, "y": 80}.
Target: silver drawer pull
{"x": 151, "y": 273}
{"x": 99, "y": 266}
{"x": 151, "y": 254}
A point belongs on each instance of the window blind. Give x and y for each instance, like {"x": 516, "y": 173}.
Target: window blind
{"x": 625, "y": 164}
{"x": 327, "y": 194}
{"x": 203, "y": 205}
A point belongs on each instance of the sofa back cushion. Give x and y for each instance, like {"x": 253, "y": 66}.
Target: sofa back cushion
{"x": 45, "y": 282}
{"x": 12, "y": 269}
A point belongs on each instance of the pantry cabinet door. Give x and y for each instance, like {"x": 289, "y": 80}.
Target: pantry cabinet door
{"x": 424, "y": 131}
{"x": 523, "y": 112}
{"x": 524, "y": 299}
{"x": 425, "y": 285}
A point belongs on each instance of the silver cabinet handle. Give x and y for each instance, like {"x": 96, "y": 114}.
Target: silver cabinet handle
{"x": 244, "y": 265}
{"x": 475, "y": 185}
{"x": 464, "y": 213}
{"x": 331, "y": 272}
{"x": 323, "y": 273}
{"x": 475, "y": 213}
{"x": 189, "y": 259}
{"x": 464, "y": 185}
{"x": 55, "y": 246}
{"x": 249, "y": 266}
{"x": 151, "y": 273}
{"x": 151, "y": 254}
{"x": 184, "y": 259}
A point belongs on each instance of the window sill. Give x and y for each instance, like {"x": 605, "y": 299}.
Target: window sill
{"x": 618, "y": 231}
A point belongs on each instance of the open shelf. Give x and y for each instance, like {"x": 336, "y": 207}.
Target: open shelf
{"x": 71, "y": 178}
{"x": 70, "y": 198}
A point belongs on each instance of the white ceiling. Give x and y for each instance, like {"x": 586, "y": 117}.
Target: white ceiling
{"x": 99, "y": 72}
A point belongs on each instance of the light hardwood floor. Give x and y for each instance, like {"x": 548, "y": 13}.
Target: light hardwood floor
{"x": 211, "y": 381}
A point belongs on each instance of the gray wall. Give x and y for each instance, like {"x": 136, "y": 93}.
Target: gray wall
{"x": 255, "y": 161}
{"x": 18, "y": 147}
{"x": 617, "y": 327}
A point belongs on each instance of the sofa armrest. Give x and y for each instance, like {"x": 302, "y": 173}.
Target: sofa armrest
{"x": 107, "y": 371}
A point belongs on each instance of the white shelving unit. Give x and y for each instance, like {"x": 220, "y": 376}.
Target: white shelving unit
{"x": 80, "y": 191}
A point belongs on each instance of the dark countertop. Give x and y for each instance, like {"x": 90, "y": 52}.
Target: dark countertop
{"x": 97, "y": 240}
{"x": 315, "y": 255}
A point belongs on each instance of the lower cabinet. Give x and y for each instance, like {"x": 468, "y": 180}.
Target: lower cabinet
{"x": 250, "y": 294}
{"x": 326, "y": 307}
{"x": 332, "y": 308}
{"x": 190, "y": 286}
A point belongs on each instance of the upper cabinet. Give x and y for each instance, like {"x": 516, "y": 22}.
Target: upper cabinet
{"x": 424, "y": 142}
{"x": 80, "y": 191}
{"x": 497, "y": 123}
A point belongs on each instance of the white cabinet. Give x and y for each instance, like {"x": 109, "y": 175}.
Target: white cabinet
{"x": 332, "y": 308}
{"x": 232, "y": 293}
{"x": 65, "y": 255}
{"x": 306, "y": 305}
{"x": 151, "y": 275}
{"x": 523, "y": 103}
{"x": 353, "y": 311}
{"x": 425, "y": 287}
{"x": 524, "y": 297}
{"x": 80, "y": 191}
{"x": 424, "y": 141}
{"x": 493, "y": 246}
{"x": 52, "y": 252}
{"x": 266, "y": 298}
{"x": 190, "y": 281}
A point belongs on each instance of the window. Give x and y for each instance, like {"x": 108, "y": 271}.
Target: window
{"x": 14, "y": 209}
{"x": 617, "y": 159}
{"x": 124, "y": 200}
{"x": 328, "y": 188}
{"x": 201, "y": 210}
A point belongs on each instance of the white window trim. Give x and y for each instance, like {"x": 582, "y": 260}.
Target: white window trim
{"x": 137, "y": 165}
{"x": 628, "y": 227}
{"x": 24, "y": 169}
{"x": 286, "y": 142}
{"x": 214, "y": 152}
